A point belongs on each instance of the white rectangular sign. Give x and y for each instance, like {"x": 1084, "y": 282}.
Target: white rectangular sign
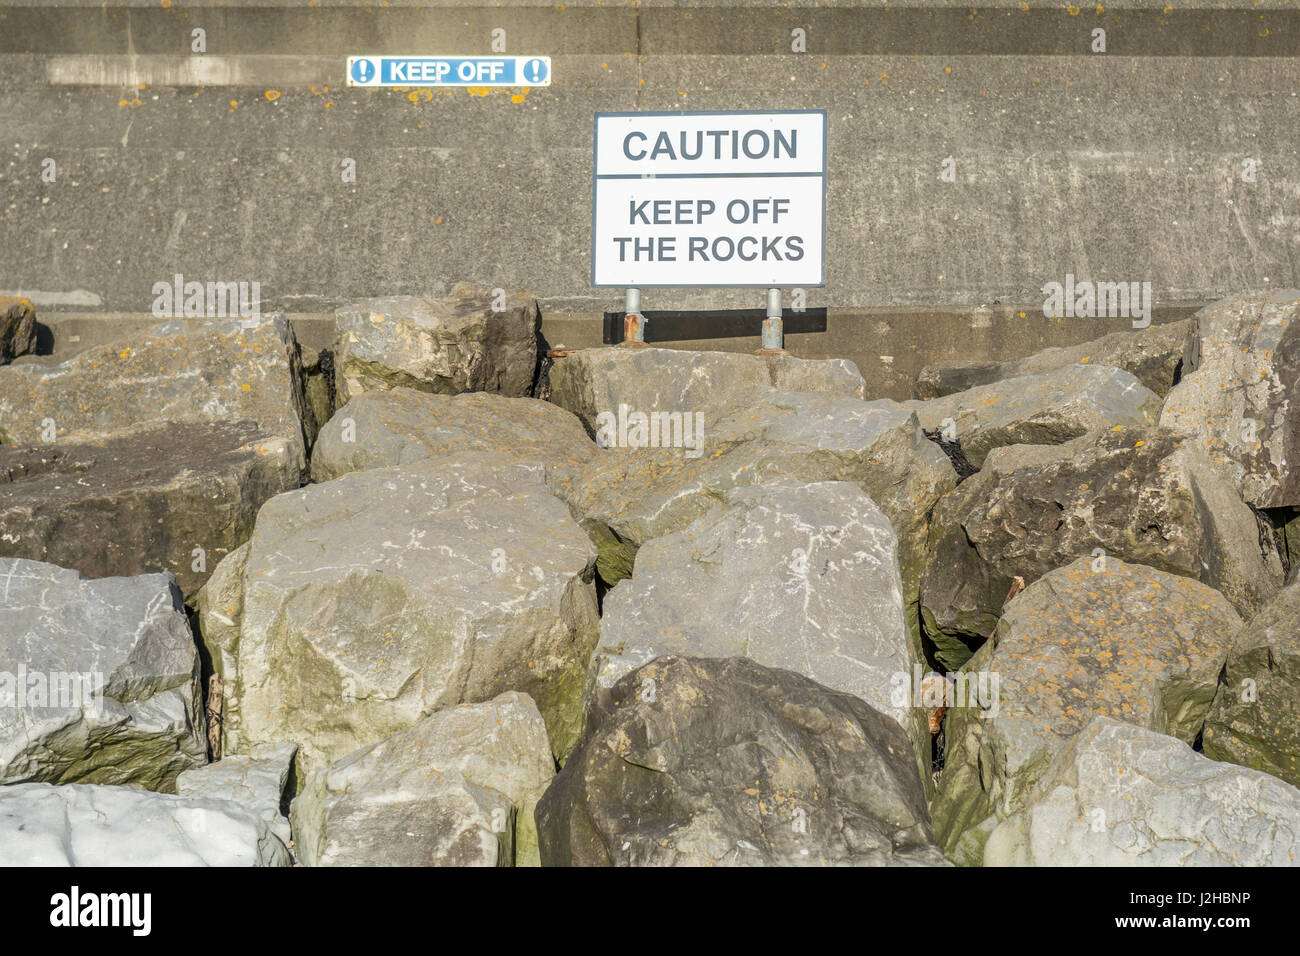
{"x": 697, "y": 199}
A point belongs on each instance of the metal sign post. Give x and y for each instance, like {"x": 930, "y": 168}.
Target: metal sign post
{"x": 633, "y": 320}
{"x": 773, "y": 334}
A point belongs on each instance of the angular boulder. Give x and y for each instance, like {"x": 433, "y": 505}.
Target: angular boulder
{"x": 1098, "y": 636}
{"x": 99, "y": 680}
{"x": 458, "y": 788}
{"x": 629, "y": 496}
{"x": 590, "y": 382}
{"x": 802, "y": 577}
{"x": 1139, "y": 495}
{"x": 1154, "y": 355}
{"x": 701, "y": 762}
{"x": 166, "y": 497}
{"x": 1122, "y": 795}
{"x": 17, "y": 328}
{"x": 1234, "y": 402}
{"x": 372, "y": 600}
{"x": 80, "y": 825}
{"x": 255, "y": 781}
{"x": 225, "y": 371}
{"x": 220, "y": 606}
{"x": 402, "y": 425}
{"x": 460, "y": 343}
{"x": 1046, "y": 408}
{"x": 1255, "y": 720}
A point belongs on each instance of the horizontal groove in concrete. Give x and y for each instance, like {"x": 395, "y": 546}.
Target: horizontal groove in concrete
{"x": 1254, "y": 31}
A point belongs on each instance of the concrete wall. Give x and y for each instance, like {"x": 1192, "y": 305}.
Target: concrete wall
{"x": 1124, "y": 165}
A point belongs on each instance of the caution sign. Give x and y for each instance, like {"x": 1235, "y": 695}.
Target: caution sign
{"x": 699, "y": 199}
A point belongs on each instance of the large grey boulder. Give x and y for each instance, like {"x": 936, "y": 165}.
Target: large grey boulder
{"x": 99, "y": 680}
{"x": 1121, "y": 795}
{"x": 629, "y": 496}
{"x": 372, "y": 600}
{"x": 164, "y": 497}
{"x": 1235, "y": 400}
{"x": 254, "y": 781}
{"x": 1098, "y": 636}
{"x": 1154, "y": 355}
{"x": 1046, "y": 408}
{"x": 802, "y": 577}
{"x": 590, "y": 382}
{"x": 79, "y": 825}
{"x": 224, "y": 371}
{"x": 1255, "y": 720}
{"x": 402, "y": 425}
{"x": 700, "y": 762}
{"x": 458, "y": 788}
{"x": 17, "y": 328}
{"x": 1140, "y": 495}
{"x": 460, "y": 343}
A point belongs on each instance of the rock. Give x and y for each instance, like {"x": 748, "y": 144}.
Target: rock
{"x": 639, "y": 494}
{"x": 1047, "y": 408}
{"x": 1154, "y": 355}
{"x": 78, "y": 825}
{"x": 1123, "y": 640}
{"x": 222, "y": 372}
{"x": 1234, "y": 402}
{"x": 165, "y": 497}
{"x": 1255, "y": 720}
{"x": 456, "y": 344}
{"x": 372, "y": 600}
{"x": 402, "y": 425}
{"x": 458, "y": 788}
{"x": 797, "y": 576}
{"x": 255, "y": 781}
{"x": 1120, "y": 795}
{"x": 1140, "y": 495}
{"x": 17, "y": 328}
{"x": 98, "y": 679}
{"x": 220, "y": 604}
{"x": 700, "y": 762}
{"x": 592, "y": 381}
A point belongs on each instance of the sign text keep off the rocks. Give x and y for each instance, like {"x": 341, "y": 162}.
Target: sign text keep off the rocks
{"x": 685, "y": 199}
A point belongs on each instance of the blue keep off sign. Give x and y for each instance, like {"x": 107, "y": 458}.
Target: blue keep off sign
{"x": 449, "y": 71}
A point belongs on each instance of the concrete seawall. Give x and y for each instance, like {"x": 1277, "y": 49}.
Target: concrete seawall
{"x": 1124, "y": 165}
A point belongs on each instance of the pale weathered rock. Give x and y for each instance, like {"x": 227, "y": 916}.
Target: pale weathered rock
{"x": 220, "y": 604}
{"x": 592, "y": 381}
{"x": 374, "y": 599}
{"x": 17, "y": 328}
{"x": 78, "y": 825}
{"x": 1255, "y": 720}
{"x": 1098, "y": 636}
{"x": 798, "y": 576}
{"x": 402, "y": 425}
{"x": 164, "y": 497}
{"x": 699, "y": 762}
{"x": 1047, "y": 408}
{"x": 1154, "y": 355}
{"x": 457, "y": 344}
{"x": 458, "y": 788}
{"x": 226, "y": 371}
{"x": 635, "y": 495}
{"x": 255, "y": 781}
{"x": 1235, "y": 401}
{"x": 1140, "y": 495}
{"x": 1121, "y": 795}
{"x": 98, "y": 679}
